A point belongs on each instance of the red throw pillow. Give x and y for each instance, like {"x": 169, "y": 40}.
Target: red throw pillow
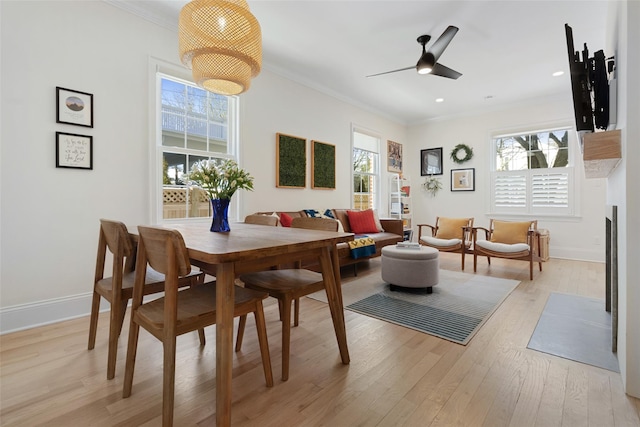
{"x": 285, "y": 220}
{"x": 362, "y": 222}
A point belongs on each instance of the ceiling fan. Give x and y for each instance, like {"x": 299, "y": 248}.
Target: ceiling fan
{"x": 428, "y": 62}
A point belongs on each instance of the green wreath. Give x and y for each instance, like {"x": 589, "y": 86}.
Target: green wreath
{"x": 468, "y": 153}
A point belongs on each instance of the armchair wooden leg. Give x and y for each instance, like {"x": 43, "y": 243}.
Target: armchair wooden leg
{"x": 475, "y": 262}
{"x": 202, "y": 338}
{"x": 463, "y": 260}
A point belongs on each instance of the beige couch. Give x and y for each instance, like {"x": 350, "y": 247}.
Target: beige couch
{"x": 392, "y": 234}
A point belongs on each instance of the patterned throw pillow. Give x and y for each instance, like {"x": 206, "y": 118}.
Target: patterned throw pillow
{"x": 315, "y": 213}
{"x": 362, "y": 221}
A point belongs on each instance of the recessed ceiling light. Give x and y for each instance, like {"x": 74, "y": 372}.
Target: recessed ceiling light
{"x": 439, "y": 99}
{"x": 558, "y": 73}
{"x": 488, "y": 97}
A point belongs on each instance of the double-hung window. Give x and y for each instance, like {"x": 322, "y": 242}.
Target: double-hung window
{"x": 366, "y": 175}
{"x": 194, "y": 125}
{"x": 532, "y": 173}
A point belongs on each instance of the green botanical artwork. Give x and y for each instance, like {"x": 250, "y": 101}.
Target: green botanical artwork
{"x": 323, "y": 165}
{"x": 291, "y": 161}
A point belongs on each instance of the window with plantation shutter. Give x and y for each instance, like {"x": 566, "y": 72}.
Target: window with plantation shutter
{"x": 531, "y": 174}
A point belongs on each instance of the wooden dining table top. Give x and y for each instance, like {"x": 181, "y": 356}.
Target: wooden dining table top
{"x": 249, "y": 241}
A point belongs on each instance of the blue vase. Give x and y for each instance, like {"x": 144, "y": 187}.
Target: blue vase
{"x": 220, "y": 211}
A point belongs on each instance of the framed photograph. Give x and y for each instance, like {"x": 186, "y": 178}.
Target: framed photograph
{"x": 394, "y": 157}
{"x": 463, "y": 179}
{"x": 323, "y": 166}
{"x": 74, "y": 107}
{"x": 74, "y": 151}
{"x": 431, "y": 161}
{"x": 291, "y": 161}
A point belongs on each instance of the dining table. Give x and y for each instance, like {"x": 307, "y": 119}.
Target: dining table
{"x": 250, "y": 247}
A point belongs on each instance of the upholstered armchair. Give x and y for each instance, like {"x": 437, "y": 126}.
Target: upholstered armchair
{"x": 448, "y": 235}
{"x": 509, "y": 239}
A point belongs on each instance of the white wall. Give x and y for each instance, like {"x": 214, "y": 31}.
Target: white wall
{"x": 573, "y": 238}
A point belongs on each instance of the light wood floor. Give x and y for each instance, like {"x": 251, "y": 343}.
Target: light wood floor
{"x": 396, "y": 377}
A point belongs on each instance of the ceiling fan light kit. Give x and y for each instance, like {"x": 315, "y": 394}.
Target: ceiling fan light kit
{"x": 428, "y": 62}
{"x": 221, "y": 41}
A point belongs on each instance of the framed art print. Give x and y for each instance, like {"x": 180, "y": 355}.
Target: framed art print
{"x": 431, "y": 161}
{"x": 463, "y": 179}
{"x": 74, "y": 107}
{"x": 291, "y": 161}
{"x": 323, "y": 165}
{"x": 394, "y": 157}
{"x": 74, "y": 151}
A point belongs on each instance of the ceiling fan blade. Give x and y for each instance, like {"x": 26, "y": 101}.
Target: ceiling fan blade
{"x": 443, "y": 41}
{"x": 442, "y": 71}
{"x": 394, "y": 71}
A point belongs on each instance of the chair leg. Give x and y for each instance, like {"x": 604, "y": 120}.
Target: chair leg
{"x": 286, "y": 337}
{"x": 475, "y": 262}
{"x": 241, "y": 325}
{"x": 114, "y": 333}
{"x": 296, "y": 312}
{"x": 203, "y": 340}
{"x": 463, "y": 259}
{"x": 132, "y": 348}
{"x": 93, "y": 324}
{"x": 261, "y": 328}
{"x": 168, "y": 381}
{"x": 531, "y": 270}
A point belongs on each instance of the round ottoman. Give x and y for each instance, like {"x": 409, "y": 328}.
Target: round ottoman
{"x": 410, "y": 269}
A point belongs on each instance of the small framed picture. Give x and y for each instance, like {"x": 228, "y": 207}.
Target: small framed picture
{"x": 463, "y": 179}
{"x": 431, "y": 161}
{"x": 394, "y": 157}
{"x": 74, "y": 107}
{"x": 74, "y": 151}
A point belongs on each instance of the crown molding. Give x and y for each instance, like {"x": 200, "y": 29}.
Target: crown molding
{"x": 140, "y": 9}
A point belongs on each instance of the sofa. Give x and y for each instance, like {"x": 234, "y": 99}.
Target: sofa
{"x": 392, "y": 231}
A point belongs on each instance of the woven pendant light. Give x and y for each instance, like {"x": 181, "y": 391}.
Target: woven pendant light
{"x": 221, "y": 41}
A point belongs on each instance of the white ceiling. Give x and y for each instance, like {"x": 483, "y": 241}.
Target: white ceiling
{"x": 505, "y": 50}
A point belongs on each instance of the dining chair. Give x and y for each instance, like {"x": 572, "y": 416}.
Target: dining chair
{"x": 509, "y": 239}
{"x": 117, "y": 289}
{"x": 179, "y": 311}
{"x": 261, "y": 220}
{"x": 448, "y": 235}
{"x": 287, "y": 286}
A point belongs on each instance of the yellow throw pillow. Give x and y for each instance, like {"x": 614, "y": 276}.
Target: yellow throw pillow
{"x": 510, "y": 232}
{"x": 451, "y": 228}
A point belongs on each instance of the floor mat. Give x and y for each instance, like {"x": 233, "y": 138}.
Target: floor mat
{"x": 576, "y": 328}
{"x": 459, "y": 305}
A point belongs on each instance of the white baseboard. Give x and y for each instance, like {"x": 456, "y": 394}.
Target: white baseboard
{"x": 577, "y": 254}
{"x": 27, "y": 316}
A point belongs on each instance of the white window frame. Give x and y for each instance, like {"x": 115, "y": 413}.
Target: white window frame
{"x": 157, "y": 69}
{"x": 524, "y": 204}
{"x": 377, "y": 175}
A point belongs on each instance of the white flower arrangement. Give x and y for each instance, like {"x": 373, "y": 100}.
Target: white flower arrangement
{"x": 220, "y": 179}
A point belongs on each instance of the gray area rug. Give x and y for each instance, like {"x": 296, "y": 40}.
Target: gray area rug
{"x": 576, "y": 328}
{"x": 455, "y": 311}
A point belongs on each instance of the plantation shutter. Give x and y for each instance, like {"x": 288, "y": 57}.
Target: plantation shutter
{"x": 510, "y": 190}
{"x": 550, "y": 190}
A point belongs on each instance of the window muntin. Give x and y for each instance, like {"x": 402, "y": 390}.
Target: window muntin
{"x": 194, "y": 126}
{"x": 532, "y": 173}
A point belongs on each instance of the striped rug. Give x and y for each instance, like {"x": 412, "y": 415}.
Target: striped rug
{"x": 455, "y": 311}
